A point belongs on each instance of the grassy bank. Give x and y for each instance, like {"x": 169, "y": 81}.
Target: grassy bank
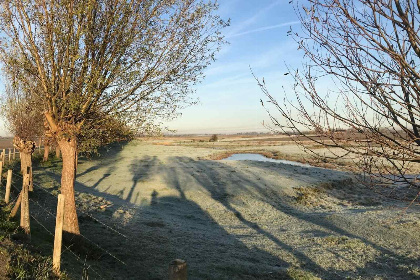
{"x": 20, "y": 255}
{"x": 19, "y": 258}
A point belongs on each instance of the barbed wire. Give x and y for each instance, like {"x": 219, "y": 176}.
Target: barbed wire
{"x": 66, "y": 248}
{"x": 84, "y": 212}
{"x": 13, "y": 201}
{"x": 83, "y": 236}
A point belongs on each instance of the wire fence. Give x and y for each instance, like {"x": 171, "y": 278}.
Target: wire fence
{"x": 45, "y": 218}
{"x": 10, "y": 154}
{"x": 80, "y": 210}
{"x": 43, "y": 213}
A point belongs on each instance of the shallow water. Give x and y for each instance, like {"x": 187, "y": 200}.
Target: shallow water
{"x": 258, "y": 157}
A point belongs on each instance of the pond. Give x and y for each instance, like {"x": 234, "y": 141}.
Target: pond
{"x": 258, "y": 157}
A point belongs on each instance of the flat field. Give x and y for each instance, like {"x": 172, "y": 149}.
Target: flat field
{"x": 168, "y": 198}
{"x": 6, "y": 142}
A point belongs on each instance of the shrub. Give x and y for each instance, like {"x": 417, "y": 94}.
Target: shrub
{"x": 213, "y": 138}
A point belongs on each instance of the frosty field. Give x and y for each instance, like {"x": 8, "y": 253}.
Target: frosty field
{"x": 234, "y": 219}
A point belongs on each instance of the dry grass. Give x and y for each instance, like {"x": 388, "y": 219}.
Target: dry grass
{"x": 300, "y": 274}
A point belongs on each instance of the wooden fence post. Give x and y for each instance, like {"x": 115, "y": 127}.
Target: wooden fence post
{"x": 30, "y": 180}
{"x": 1, "y": 170}
{"x": 8, "y": 185}
{"x": 16, "y": 207}
{"x": 24, "y": 207}
{"x": 14, "y": 153}
{"x": 4, "y": 156}
{"x": 10, "y": 154}
{"x": 58, "y": 234}
{"x": 178, "y": 270}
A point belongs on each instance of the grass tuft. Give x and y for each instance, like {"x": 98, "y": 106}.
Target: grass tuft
{"x": 299, "y": 274}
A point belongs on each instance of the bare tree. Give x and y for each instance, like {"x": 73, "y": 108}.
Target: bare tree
{"x": 368, "y": 51}
{"x": 107, "y": 57}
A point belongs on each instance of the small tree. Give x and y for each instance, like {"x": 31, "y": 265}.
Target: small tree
{"x": 123, "y": 59}
{"x": 24, "y": 120}
{"x": 213, "y": 138}
{"x": 371, "y": 51}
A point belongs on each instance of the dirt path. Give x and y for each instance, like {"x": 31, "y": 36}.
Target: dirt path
{"x": 238, "y": 220}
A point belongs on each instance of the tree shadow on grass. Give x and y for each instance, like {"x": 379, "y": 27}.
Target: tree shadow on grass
{"x": 168, "y": 228}
{"x": 111, "y": 154}
{"x": 141, "y": 170}
{"x": 177, "y": 227}
{"x": 214, "y": 178}
{"x": 226, "y": 185}
{"x": 172, "y": 227}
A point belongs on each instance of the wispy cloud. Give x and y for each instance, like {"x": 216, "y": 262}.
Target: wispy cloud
{"x": 264, "y": 28}
{"x": 244, "y": 24}
{"x": 226, "y": 7}
{"x": 259, "y": 60}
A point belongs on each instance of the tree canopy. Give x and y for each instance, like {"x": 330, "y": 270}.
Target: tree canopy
{"x": 109, "y": 56}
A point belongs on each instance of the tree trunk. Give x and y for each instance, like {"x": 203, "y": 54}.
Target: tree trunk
{"x": 57, "y": 151}
{"x": 46, "y": 152}
{"x": 25, "y": 162}
{"x": 68, "y": 149}
{"x": 26, "y": 149}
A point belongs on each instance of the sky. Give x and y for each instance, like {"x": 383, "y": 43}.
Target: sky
{"x": 229, "y": 96}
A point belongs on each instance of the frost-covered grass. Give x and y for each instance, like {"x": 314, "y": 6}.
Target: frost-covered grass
{"x": 235, "y": 220}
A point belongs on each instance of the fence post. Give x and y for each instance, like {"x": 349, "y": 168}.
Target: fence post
{"x": 58, "y": 234}
{"x": 14, "y": 153}
{"x": 10, "y": 154}
{"x": 16, "y": 207}
{"x": 4, "y": 156}
{"x": 24, "y": 207}
{"x": 1, "y": 170}
{"x": 8, "y": 185}
{"x": 178, "y": 270}
{"x": 30, "y": 180}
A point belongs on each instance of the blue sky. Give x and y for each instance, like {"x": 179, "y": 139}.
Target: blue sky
{"x": 229, "y": 95}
